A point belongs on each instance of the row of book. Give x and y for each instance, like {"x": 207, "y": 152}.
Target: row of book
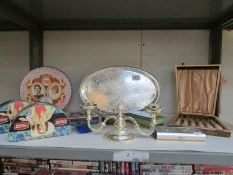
{"x": 156, "y": 169}
{"x": 85, "y": 166}
{"x": 120, "y": 167}
{"x": 213, "y": 169}
{"x": 29, "y": 166}
{"x": 80, "y": 117}
{"x": 153, "y": 169}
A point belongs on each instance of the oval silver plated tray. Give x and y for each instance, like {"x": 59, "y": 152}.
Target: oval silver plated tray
{"x": 119, "y": 88}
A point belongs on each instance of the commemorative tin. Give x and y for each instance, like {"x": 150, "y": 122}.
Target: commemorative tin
{"x": 39, "y": 120}
{"x": 8, "y": 111}
{"x": 46, "y": 84}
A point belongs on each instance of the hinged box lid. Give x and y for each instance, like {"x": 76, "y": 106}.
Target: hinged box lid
{"x": 197, "y": 89}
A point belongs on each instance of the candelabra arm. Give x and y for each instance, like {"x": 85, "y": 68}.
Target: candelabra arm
{"x": 137, "y": 126}
{"x": 103, "y": 124}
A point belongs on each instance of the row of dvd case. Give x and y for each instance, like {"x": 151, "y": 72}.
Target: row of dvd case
{"x": 32, "y": 166}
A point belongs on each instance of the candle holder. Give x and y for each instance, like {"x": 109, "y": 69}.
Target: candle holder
{"x": 119, "y": 133}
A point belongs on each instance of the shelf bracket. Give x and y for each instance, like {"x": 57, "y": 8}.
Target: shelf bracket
{"x": 215, "y": 46}
{"x": 36, "y": 48}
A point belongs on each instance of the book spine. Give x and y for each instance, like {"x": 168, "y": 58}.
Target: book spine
{"x": 102, "y": 166}
{"x": 174, "y": 167}
{"x": 167, "y": 171}
{"x": 122, "y": 168}
{"x": 10, "y": 164}
{"x": 149, "y": 173}
{"x": 118, "y": 167}
{"x": 74, "y": 166}
{"x": 181, "y": 169}
{"x": 86, "y": 163}
{"x": 66, "y": 162}
{"x": 133, "y": 168}
{"x": 212, "y": 169}
{"x": 137, "y": 168}
{"x": 110, "y": 166}
{"x": 114, "y": 167}
{"x": 217, "y": 172}
{"x": 130, "y": 167}
{"x": 106, "y": 169}
{"x": 147, "y": 122}
{"x": 21, "y": 160}
{"x": 126, "y": 168}
{"x": 209, "y": 167}
{"x": 74, "y": 169}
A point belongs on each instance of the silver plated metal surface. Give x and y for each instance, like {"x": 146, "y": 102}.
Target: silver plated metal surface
{"x": 119, "y": 88}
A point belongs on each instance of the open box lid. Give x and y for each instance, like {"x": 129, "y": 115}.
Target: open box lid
{"x": 197, "y": 89}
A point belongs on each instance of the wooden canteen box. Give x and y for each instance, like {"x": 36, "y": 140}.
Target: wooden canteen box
{"x": 197, "y": 89}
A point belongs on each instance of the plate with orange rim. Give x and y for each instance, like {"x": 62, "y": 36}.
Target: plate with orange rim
{"x": 46, "y": 84}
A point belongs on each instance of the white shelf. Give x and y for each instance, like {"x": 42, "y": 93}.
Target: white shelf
{"x": 216, "y": 150}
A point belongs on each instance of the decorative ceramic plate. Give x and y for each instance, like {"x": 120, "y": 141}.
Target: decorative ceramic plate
{"x": 115, "y": 89}
{"x": 46, "y": 84}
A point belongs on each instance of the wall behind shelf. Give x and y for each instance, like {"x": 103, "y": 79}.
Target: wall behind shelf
{"x": 166, "y": 48}
{"x": 79, "y": 52}
{"x": 226, "y": 112}
{"x": 14, "y": 63}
